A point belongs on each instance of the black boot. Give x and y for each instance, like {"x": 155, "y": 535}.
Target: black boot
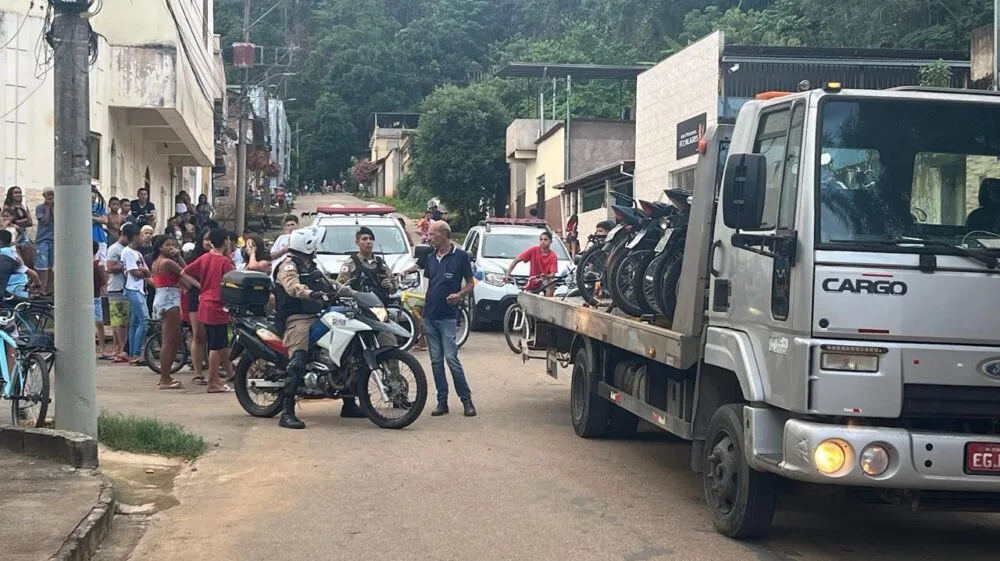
{"x": 288, "y": 419}
{"x": 350, "y": 409}
{"x": 470, "y": 409}
{"x": 441, "y": 409}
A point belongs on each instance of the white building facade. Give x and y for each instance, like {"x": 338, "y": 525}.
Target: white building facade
{"x": 153, "y": 87}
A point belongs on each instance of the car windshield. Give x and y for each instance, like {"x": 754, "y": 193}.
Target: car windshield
{"x": 509, "y": 246}
{"x": 893, "y": 171}
{"x": 339, "y": 239}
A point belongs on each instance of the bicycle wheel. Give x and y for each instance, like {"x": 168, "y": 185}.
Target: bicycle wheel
{"x": 406, "y": 320}
{"x": 151, "y": 346}
{"x": 513, "y": 327}
{"x": 29, "y": 402}
{"x": 462, "y": 332}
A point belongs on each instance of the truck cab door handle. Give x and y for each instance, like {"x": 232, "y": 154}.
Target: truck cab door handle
{"x": 711, "y": 257}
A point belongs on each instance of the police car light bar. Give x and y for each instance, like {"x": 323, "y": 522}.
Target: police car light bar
{"x": 371, "y": 210}
{"x": 518, "y": 221}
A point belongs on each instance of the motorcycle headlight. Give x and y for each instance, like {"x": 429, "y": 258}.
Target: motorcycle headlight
{"x": 495, "y": 279}
{"x": 380, "y": 313}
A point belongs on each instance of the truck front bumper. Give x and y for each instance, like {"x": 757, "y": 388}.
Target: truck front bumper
{"x": 917, "y": 460}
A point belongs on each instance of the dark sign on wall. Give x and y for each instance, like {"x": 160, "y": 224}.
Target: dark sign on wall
{"x": 688, "y": 134}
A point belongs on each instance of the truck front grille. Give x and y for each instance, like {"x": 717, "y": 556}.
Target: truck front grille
{"x": 950, "y": 402}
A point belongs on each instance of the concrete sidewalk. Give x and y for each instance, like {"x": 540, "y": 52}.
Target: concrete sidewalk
{"x": 47, "y": 510}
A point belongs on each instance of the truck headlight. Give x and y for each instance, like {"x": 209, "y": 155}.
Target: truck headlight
{"x": 874, "y": 460}
{"x": 495, "y": 279}
{"x": 849, "y": 358}
{"x": 831, "y": 456}
{"x": 849, "y": 363}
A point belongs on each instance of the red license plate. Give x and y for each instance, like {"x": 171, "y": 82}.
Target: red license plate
{"x": 982, "y": 458}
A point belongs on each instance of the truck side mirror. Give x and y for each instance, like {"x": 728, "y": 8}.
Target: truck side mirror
{"x": 421, "y": 250}
{"x": 744, "y": 184}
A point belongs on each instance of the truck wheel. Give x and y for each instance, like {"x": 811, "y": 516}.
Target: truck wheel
{"x": 588, "y": 410}
{"x": 742, "y": 500}
{"x": 623, "y": 423}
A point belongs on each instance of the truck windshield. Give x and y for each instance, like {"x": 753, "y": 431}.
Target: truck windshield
{"x": 898, "y": 172}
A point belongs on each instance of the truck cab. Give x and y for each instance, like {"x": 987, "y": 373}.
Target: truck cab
{"x": 834, "y": 323}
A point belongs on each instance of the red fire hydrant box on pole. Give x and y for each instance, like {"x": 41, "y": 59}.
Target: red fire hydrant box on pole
{"x": 243, "y": 55}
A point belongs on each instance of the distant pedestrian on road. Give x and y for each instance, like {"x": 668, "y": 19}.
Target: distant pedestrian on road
{"x": 445, "y": 271}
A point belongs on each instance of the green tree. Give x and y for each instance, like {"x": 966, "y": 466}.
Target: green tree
{"x": 460, "y": 143}
{"x": 936, "y": 75}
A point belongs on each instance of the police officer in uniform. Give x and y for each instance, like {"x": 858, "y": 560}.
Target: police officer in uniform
{"x": 366, "y": 266}
{"x": 300, "y": 292}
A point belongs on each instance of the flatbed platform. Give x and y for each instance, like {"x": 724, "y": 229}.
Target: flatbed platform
{"x": 656, "y": 343}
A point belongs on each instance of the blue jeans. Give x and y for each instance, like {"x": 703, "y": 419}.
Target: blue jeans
{"x": 440, "y": 337}
{"x": 137, "y": 321}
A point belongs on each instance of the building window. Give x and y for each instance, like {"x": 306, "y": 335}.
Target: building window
{"x": 592, "y": 197}
{"x": 682, "y": 179}
{"x": 95, "y": 156}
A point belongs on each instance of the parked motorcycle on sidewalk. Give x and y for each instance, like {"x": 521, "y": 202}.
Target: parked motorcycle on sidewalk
{"x": 345, "y": 357}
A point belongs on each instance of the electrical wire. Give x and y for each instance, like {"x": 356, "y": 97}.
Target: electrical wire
{"x": 17, "y": 32}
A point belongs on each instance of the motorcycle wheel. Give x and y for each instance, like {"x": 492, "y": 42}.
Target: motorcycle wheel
{"x": 246, "y": 396}
{"x": 416, "y": 407}
{"x": 649, "y": 283}
{"x": 642, "y": 259}
{"x": 620, "y": 271}
{"x": 589, "y": 272}
{"x": 668, "y": 275}
{"x": 409, "y": 323}
{"x": 462, "y": 333}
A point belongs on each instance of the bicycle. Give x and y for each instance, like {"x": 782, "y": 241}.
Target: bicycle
{"x": 412, "y": 309}
{"x": 514, "y": 323}
{"x": 28, "y": 385}
{"x": 151, "y": 347}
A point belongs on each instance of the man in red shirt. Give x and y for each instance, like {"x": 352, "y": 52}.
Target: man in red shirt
{"x": 208, "y": 271}
{"x": 541, "y": 260}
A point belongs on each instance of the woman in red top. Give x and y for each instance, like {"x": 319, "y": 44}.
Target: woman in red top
{"x": 168, "y": 278}
{"x": 209, "y": 270}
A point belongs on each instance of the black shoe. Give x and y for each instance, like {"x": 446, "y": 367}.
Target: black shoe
{"x": 288, "y": 419}
{"x": 470, "y": 409}
{"x": 441, "y": 409}
{"x": 350, "y": 409}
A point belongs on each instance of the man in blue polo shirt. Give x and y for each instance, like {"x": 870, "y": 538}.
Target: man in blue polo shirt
{"x": 445, "y": 270}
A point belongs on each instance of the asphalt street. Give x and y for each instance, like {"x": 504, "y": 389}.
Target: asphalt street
{"x": 514, "y": 483}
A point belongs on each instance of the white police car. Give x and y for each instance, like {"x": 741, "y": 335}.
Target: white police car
{"x": 341, "y": 224}
{"x": 492, "y": 246}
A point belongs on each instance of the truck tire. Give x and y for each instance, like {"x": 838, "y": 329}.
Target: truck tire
{"x": 622, "y": 424}
{"x": 741, "y": 499}
{"x": 588, "y": 410}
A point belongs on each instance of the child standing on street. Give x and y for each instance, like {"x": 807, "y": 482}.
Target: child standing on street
{"x": 208, "y": 270}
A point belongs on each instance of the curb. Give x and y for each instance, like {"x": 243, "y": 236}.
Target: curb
{"x": 63, "y": 447}
{"x": 90, "y": 532}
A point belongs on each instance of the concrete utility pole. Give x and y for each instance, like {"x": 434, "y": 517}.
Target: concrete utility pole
{"x": 241, "y": 158}
{"x": 76, "y": 373}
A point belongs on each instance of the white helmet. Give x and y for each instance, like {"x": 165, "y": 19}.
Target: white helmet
{"x": 305, "y": 240}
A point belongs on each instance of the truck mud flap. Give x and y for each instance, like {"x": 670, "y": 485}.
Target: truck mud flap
{"x": 645, "y": 411}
